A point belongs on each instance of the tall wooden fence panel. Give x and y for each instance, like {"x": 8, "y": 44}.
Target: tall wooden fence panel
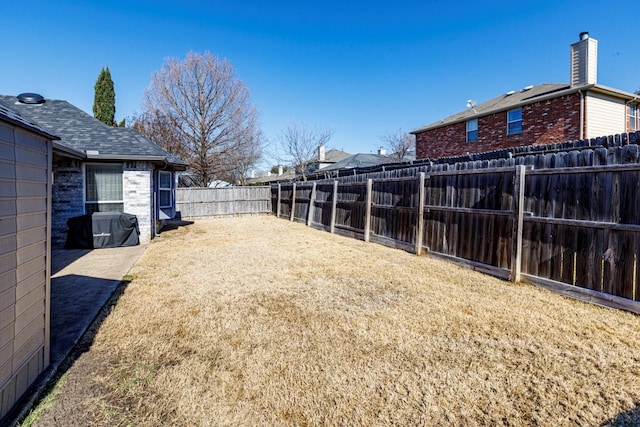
{"x": 275, "y": 189}
{"x": 394, "y": 211}
{"x": 302, "y": 201}
{"x": 350, "y": 209}
{"x": 582, "y": 225}
{"x": 323, "y": 205}
{"x": 469, "y": 215}
{"x": 285, "y": 201}
{"x": 203, "y": 202}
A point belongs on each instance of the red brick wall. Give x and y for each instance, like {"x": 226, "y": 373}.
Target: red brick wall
{"x": 554, "y": 120}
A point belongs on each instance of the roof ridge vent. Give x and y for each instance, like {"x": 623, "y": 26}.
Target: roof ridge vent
{"x": 30, "y": 98}
{"x": 526, "y": 88}
{"x": 511, "y": 92}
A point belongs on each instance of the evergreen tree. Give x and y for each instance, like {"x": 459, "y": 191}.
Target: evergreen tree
{"x": 104, "y": 101}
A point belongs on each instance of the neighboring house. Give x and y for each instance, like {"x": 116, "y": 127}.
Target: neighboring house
{"x": 541, "y": 114}
{"x": 363, "y": 161}
{"x": 326, "y": 158}
{"x": 360, "y": 160}
{"x": 322, "y": 160}
{"x": 25, "y": 252}
{"x": 268, "y": 178}
{"x": 101, "y": 168}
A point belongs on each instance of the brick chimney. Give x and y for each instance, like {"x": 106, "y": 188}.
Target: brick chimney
{"x": 584, "y": 60}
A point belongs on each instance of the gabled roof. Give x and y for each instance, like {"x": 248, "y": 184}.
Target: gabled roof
{"x": 84, "y": 135}
{"x": 357, "y": 161}
{"x": 334, "y": 155}
{"x": 528, "y": 95}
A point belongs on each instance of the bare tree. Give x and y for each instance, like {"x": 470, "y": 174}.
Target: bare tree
{"x": 399, "y": 143}
{"x": 160, "y": 129}
{"x": 243, "y": 159}
{"x": 203, "y": 113}
{"x": 300, "y": 143}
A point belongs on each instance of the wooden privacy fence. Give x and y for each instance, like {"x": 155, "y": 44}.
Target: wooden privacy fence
{"x": 575, "y": 230}
{"x": 203, "y": 202}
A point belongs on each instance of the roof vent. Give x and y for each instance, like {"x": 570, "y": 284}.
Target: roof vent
{"x": 511, "y": 92}
{"x": 30, "y": 98}
{"x": 526, "y": 88}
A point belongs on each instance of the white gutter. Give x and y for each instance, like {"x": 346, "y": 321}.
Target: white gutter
{"x": 582, "y": 101}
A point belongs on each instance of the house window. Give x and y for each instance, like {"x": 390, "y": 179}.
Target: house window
{"x": 472, "y": 130}
{"x": 164, "y": 189}
{"x": 103, "y": 188}
{"x": 633, "y": 118}
{"x": 514, "y": 121}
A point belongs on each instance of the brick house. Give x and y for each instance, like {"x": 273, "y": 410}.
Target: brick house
{"x": 541, "y": 114}
{"x": 98, "y": 168}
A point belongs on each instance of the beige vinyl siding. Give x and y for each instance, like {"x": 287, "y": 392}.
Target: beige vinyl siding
{"x": 604, "y": 115}
{"x": 25, "y": 168}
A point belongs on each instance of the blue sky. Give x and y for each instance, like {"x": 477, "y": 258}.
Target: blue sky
{"x": 360, "y": 68}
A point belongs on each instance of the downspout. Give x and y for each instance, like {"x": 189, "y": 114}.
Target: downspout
{"x": 581, "y": 114}
{"x": 633, "y": 101}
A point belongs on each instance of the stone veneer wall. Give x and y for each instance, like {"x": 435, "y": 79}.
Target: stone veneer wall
{"x": 138, "y": 196}
{"x": 68, "y": 199}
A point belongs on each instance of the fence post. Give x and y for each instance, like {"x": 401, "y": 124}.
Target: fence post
{"x": 518, "y": 215}
{"x": 311, "y": 205}
{"x": 367, "y": 218}
{"x": 234, "y": 194}
{"x": 278, "y": 202}
{"x": 334, "y": 206}
{"x": 420, "y": 225}
{"x": 293, "y": 202}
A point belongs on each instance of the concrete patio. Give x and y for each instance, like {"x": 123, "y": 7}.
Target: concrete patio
{"x": 82, "y": 281}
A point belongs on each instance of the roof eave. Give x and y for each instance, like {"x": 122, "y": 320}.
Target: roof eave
{"x": 30, "y": 127}
{"x": 616, "y": 92}
{"x": 68, "y": 152}
{"x": 140, "y": 158}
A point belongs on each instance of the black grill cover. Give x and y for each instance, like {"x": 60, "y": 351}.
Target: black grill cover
{"x": 102, "y": 230}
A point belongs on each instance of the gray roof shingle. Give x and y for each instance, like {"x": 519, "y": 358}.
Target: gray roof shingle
{"x": 358, "y": 161}
{"x": 83, "y": 133}
{"x": 522, "y": 97}
{"x": 499, "y": 103}
{"x": 15, "y": 118}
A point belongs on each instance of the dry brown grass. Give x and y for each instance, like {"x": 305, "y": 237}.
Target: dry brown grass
{"x": 257, "y": 321}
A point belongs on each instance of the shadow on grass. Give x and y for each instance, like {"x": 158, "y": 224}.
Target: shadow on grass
{"x": 62, "y": 358}
{"x": 629, "y": 418}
